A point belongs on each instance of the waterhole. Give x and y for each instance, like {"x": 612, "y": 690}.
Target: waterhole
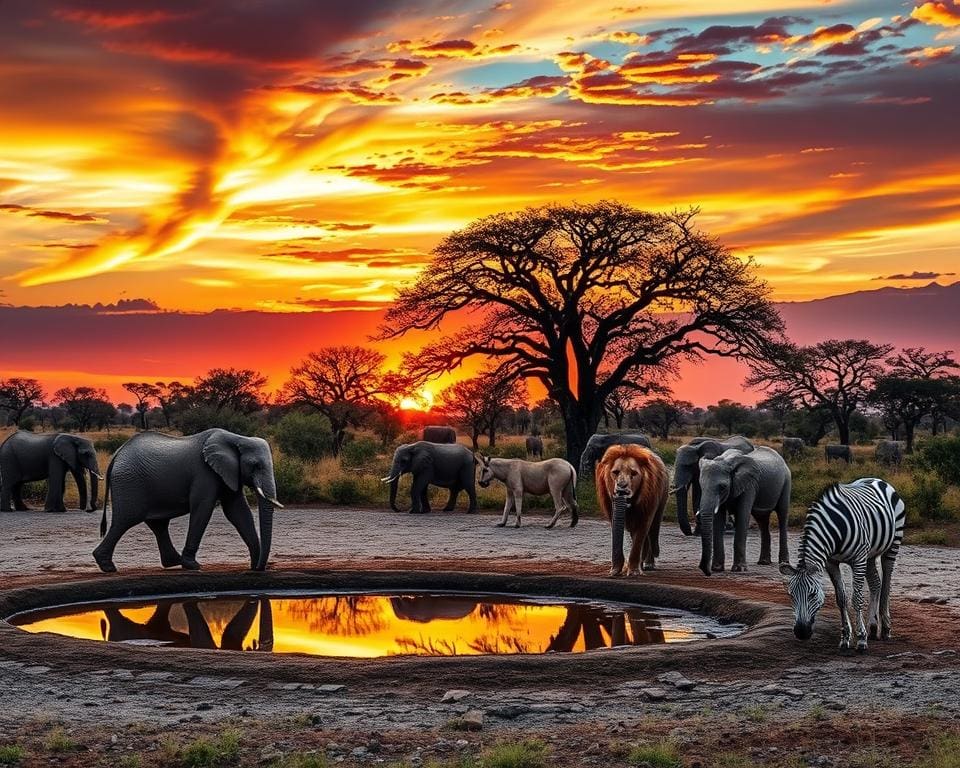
{"x": 363, "y": 625}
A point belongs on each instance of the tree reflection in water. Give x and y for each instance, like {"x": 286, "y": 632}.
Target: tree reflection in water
{"x": 340, "y": 615}
{"x": 592, "y": 622}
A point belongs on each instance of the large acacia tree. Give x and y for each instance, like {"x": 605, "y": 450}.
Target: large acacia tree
{"x": 585, "y": 299}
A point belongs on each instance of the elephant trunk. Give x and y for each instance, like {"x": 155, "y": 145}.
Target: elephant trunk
{"x": 682, "y": 518}
{"x": 620, "y": 504}
{"x": 708, "y": 510}
{"x": 81, "y": 480}
{"x": 266, "y": 501}
{"x": 394, "y": 479}
{"x": 94, "y": 491}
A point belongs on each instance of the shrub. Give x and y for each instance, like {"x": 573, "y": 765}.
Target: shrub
{"x": 111, "y": 443}
{"x": 204, "y": 417}
{"x": 305, "y": 436}
{"x": 204, "y": 753}
{"x": 359, "y": 452}
{"x": 507, "y": 450}
{"x": 344, "y": 490}
{"x": 12, "y": 754}
{"x": 530, "y": 753}
{"x": 942, "y": 455}
{"x": 292, "y": 482}
{"x": 59, "y": 741}
{"x": 924, "y": 498}
{"x": 662, "y": 755}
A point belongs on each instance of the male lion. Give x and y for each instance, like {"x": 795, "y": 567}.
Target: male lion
{"x": 632, "y": 484}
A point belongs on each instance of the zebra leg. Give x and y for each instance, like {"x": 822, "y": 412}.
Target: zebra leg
{"x": 840, "y": 593}
{"x": 873, "y": 613}
{"x": 887, "y": 560}
{"x": 859, "y": 567}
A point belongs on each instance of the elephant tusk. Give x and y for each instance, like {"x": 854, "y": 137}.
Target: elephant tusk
{"x": 266, "y": 498}
{"x": 388, "y": 478}
{"x": 96, "y": 475}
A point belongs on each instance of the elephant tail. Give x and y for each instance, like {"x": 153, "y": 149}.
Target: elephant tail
{"x": 106, "y": 501}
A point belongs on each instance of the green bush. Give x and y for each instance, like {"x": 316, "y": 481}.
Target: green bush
{"x": 507, "y": 450}
{"x": 305, "y": 436}
{"x": 12, "y": 754}
{"x": 923, "y": 498}
{"x": 204, "y": 417}
{"x": 359, "y": 452}
{"x": 942, "y": 455}
{"x": 111, "y": 443}
{"x": 344, "y": 490}
{"x": 293, "y": 485}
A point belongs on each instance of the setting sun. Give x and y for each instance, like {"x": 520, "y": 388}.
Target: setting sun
{"x": 421, "y": 401}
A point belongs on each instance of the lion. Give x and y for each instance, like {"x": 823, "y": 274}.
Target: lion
{"x": 632, "y": 485}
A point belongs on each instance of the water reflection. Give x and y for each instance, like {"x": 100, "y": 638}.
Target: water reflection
{"x": 377, "y": 625}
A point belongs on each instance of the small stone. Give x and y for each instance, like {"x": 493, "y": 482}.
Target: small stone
{"x": 359, "y": 752}
{"x": 374, "y": 746}
{"x": 330, "y": 688}
{"x": 945, "y": 652}
{"x": 654, "y": 694}
{"x": 472, "y": 720}
{"x": 509, "y": 711}
{"x": 271, "y": 755}
{"x": 461, "y": 743}
{"x": 203, "y": 706}
{"x": 113, "y": 738}
{"x": 36, "y": 669}
{"x": 456, "y": 694}
{"x": 677, "y": 680}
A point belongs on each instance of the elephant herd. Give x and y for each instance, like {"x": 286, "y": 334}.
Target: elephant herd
{"x": 154, "y": 478}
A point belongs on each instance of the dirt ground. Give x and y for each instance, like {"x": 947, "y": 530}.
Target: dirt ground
{"x": 762, "y": 699}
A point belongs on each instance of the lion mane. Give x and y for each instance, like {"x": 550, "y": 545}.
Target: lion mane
{"x": 651, "y": 496}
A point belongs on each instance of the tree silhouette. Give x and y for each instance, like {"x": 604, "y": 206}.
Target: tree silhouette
{"x": 86, "y": 406}
{"x": 660, "y": 414}
{"x": 917, "y": 363}
{"x": 345, "y": 384}
{"x": 239, "y": 389}
{"x": 144, "y": 392}
{"x": 480, "y": 403}
{"x": 18, "y": 395}
{"x": 729, "y": 414}
{"x": 585, "y": 299}
{"x": 171, "y": 396}
{"x": 836, "y": 375}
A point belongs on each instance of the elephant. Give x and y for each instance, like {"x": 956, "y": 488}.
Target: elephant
{"x": 756, "y": 483}
{"x": 448, "y": 466}
{"x": 534, "y": 446}
{"x": 792, "y": 448}
{"x": 25, "y": 457}
{"x": 426, "y": 608}
{"x": 889, "y": 452}
{"x": 156, "y": 477}
{"x": 839, "y": 452}
{"x": 598, "y": 444}
{"x": 435, "y": 434}
{"x": 686, "y": 470}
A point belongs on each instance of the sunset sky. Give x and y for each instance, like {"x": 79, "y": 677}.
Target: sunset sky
{"x": 296, "y": 155}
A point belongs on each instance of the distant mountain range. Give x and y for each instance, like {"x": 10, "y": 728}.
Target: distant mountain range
{"x": 106, "y": 345}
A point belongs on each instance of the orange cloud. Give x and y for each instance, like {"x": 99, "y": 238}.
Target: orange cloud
{"x": 943, "y": 14}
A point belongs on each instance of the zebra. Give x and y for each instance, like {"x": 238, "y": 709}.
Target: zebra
{"x": 852, "y": 524}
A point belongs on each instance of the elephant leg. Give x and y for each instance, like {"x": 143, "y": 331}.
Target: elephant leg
{"x": 452, "y": 500}
{"x": 239, "y": 626}
{"x": 840, "y": 593}
{"x": 873, "y": 612}
{"x": 7, "y": 491}
{"x": 169, "y": 557}
{"x": 425, "y": 499}
{"x": 237, "y": 511}
{"x": 418, "y": 496}
{"x": 469, "y": 484}
{"x": 200, "y": 634}
{"x": 55, "y": 487}
{"x": 783, "y": 520}
{"x": 651, "y": 549}
{"x": 741, "y": 524}
{"x": 201, "y": 509}
{"x": 103, "y": 554}
{"x": 696, "y": 493}
{"x": 763, "y": 522}
{"x": 719, "y": 555}
{"x": 18, "y": 503}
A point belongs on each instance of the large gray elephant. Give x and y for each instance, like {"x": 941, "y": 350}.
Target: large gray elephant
{"x": 686, "y": 470}
{"x": 439, "y": 434}
{"x": 156, "y": 477}
{"x": 756, "y": 483}
{"x": 447, "y": 466}
{"x": 26, "y": 457}
{"x": 597, "y": 446}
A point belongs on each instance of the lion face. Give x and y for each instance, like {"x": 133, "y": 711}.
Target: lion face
{"x": 624, "y": 478}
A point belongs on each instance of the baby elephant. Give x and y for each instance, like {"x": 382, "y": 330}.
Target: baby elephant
{"x": 554, "y": 476}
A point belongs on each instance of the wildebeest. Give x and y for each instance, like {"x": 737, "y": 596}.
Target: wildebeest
{"x": 792, "y": 448}
{"x": 632, "y": 485}
{"x": 839, "y": 452}
{"x": 554, "y": 476}
{"x": 535, "y": 446}
{"x": 889, "y": 452}
{"x": 439, "y": 434}
{"x": 598, "y": 443}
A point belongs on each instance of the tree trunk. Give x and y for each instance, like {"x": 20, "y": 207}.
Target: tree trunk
{"x": 492, "y": 436}
{"x": 908, "y": 428}
{"x": 475, "y": 438}
{"x": 339, "y": 435}
{"x": 843, "y": 428}
{"x": 579, "y": 423}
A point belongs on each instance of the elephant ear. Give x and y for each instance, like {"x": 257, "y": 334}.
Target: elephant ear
{"x": 223, "y": 457}
{"x": 746, "y": 475}
{"x": 65, "y": 446}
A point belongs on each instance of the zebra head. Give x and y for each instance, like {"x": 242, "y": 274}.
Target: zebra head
{"x": 806, "y": 594}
